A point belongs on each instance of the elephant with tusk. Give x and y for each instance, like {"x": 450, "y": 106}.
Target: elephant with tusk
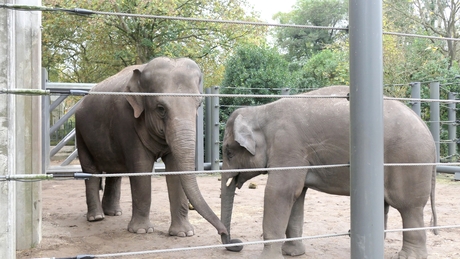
{"x": 315, "y": 131}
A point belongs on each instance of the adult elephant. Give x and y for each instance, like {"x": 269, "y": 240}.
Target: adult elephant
{"x": 128, "y": 133}
{"x": 315, "y": 131}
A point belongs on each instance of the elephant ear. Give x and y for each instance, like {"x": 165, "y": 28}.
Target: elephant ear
{"x": 134, "y": 86}
{"x": 244, "y": 135}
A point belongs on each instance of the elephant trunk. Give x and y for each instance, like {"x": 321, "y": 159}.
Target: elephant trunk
{"x": 227, "y": 198}
{"x": 182, "y": 146}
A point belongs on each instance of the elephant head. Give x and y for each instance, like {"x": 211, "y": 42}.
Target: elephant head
{"x": 243, "y": 147}
{"x": 167, "y": 124}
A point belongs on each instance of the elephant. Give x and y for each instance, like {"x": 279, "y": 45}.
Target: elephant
{"x": 127, "y": 133}
{"x": 315, "y": 131}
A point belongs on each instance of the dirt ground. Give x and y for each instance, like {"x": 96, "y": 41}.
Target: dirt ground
{"x": 66, "y": 233}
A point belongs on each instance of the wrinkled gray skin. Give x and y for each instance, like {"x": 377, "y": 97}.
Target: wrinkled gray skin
{"x": 307, "y": 132}
{"x": 119, "y": 134}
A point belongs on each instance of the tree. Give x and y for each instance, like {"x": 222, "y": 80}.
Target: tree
{"x": 429, "y": 17}
{"x": 253, "y": 69}
{"x": 88, "y": 49}
{"x": 300, "y": 44}
{"x": 325, "y": 68}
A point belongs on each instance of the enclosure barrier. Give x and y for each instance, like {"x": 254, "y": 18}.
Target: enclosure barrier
{"x": 208, "y": 158}
{"x": 358, "y": 11}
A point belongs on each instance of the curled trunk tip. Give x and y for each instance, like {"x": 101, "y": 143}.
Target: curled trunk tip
{"x": 226, "y": 240}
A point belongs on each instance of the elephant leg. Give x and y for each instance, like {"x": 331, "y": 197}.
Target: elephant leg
{"x": 111, "y": 197}
{"x": 141, "y": 197}
{"x": 295, "y": 228}
{"x": 282, "y": 190}
{"x": 180, "y": 226}
{"x": 93, "y": 200}
{"x": 414, "y": 242}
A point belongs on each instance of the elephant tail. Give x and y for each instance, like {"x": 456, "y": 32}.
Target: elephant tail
{"x": 434, "y": 217}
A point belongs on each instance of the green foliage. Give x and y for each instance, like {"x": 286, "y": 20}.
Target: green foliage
{"x": 88, "y": 49}
{"x": 253, "y": 70}
{"x": 300, "y": 44}
{"x": 328, "y": 67}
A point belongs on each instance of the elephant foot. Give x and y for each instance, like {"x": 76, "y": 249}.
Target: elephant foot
{"x": 293, "y": 248}
{"x": 110, "y": 207}
{"x": 184, "y": 230}
{"x": 272, "y": 251}
{"x": 91, "y": 217}
{"x": 140, "y": 227}
{"x": 409, "y": 255}
{"x": 113, "y": 212}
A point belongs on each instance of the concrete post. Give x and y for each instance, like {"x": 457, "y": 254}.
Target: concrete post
{"x": 20, "y": 129}
{"x": 366, "y": 129}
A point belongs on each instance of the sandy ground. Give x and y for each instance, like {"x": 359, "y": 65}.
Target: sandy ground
{"x": 66, "y": 233}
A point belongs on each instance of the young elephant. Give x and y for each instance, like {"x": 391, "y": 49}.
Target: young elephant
{"x": 315, "y": 131}
{"x": 128, "y": 133}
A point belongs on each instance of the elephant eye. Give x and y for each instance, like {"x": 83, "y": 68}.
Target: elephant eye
{"x": 229, "y": 153}
{"x": 161, "y": 110}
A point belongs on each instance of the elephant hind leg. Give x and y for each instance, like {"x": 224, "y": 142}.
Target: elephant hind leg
{"x": 111, "y": 198}
{"x": 295, "y": 228}
{"x": 414, "y": 242}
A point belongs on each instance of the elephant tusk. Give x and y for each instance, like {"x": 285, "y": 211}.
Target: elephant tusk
{"x": 229, "y": 181}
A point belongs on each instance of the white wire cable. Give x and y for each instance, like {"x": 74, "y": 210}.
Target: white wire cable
{"x": 182, "y": 249}
{"x": 219, "y": 246}
{"x": 262, "y": 169}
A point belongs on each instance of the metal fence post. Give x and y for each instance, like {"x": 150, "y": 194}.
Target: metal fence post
{"x": 435, "y": 121}
{"x": 45, "y": 124}
{"x": 208, "y": 125}
{"x": 285, "y": 91}
{"x": 415, "y": 93}
{"x": 452, "y": 128}
{"x": 215, "y": 129}
{"x": 366, "y": 129}
{"x": 199, "y": 152}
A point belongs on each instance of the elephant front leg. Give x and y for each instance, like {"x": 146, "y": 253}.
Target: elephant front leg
{"x": 111, "y": 198}
{"x": 93, "y": 200}
{"x": 180, "y": 226}
{"x": 141, "y": 197}
{"x": 281, "y": 193}
{"x": 295, "y": 228}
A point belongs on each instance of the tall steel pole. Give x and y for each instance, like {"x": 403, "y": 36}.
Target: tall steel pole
{"x": 366, "y": 129}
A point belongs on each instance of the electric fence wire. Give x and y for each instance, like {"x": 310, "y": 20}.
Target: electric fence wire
{"x": 86, "y": 12}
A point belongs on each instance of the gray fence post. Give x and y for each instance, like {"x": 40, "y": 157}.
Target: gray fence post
{"x": 208, "y": 118}
{"x": 215, "y": 129}
{"x": 366, "y": 129}
{"x": 452, "y": 128}
{"x": 199, "y": 153}
{"x": 285, "y": 91}
{"x": 435, "y": 120}
{"x": 415, "y": 93}
{"x": 45, "y": 124}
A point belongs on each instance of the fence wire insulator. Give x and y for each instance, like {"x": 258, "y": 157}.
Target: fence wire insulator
{"x": 69, "y": 92}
